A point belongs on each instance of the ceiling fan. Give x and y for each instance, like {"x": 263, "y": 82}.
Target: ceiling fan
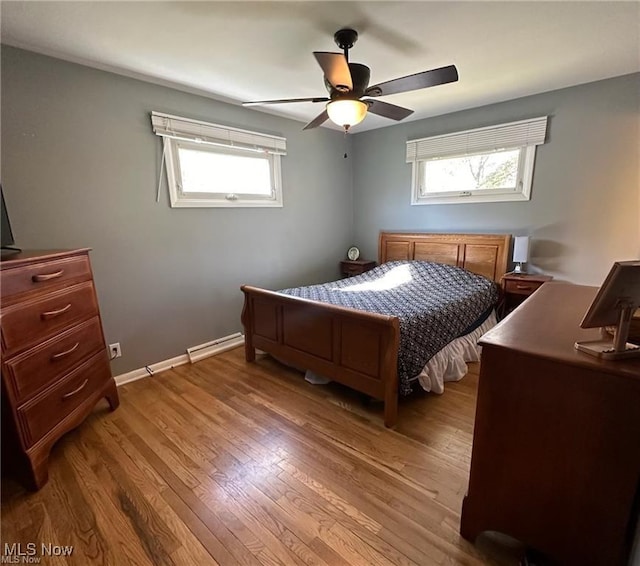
{"x": 351, "y": 97}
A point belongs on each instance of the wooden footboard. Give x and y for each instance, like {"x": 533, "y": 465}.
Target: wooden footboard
{"x": 356, "y": 348}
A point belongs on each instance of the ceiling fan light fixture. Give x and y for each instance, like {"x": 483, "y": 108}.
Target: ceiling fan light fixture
{"x": 347, "y": 113}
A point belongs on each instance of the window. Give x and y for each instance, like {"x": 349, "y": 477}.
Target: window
{"x": 215, "y": 166}
{"x": 482, "y": 165}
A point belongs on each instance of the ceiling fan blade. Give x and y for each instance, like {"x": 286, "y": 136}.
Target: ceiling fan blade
{"x": 425, "y": 79}
{"x": 320, "y": 119}
{"x": 388, "y": 110}
{"x": 286, "y": 100}
{"x": 335, "y": 69}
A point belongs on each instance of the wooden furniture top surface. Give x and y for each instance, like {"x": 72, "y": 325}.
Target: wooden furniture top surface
{"x": 484, "y": 254}
{"x": 362, "y": 262}
{"x": 28, "y": 256}
{"x": 547, "y": 325}
{"x": 535, "y": 277}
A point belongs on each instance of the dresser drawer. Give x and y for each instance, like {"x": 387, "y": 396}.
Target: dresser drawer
{"x": 43, "y": 413}
{"x": 43, "y": 276}
{"x": 522, "y": 287}
{"x": 356, "y": 267}
{"x": 352, "y": 269}
{"x": 33, "y": 321}
{"x": 44, "y": 364}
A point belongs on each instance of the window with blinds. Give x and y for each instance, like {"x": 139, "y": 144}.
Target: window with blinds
{"x": 482, "y": 165}
{"x": 209, "y": 165}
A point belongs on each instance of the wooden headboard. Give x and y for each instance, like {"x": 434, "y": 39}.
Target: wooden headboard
{"x": 485, "y": 254}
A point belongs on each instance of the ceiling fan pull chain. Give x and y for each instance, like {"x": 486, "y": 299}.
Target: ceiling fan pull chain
{"x": 345, "y": 142}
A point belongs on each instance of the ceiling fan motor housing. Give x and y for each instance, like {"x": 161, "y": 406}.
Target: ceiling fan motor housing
{"x": 360, "y": 75}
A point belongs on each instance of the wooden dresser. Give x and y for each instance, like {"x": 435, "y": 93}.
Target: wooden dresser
{"x": 55, "y": 366}
{"x": 556, "y": 445}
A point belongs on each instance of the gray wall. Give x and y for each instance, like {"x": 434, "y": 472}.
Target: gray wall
{"x": 80, "y": 169}
{"x": 585, "y": 207}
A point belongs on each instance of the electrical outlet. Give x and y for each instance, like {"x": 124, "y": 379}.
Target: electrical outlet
{"x": 115, "y": 351}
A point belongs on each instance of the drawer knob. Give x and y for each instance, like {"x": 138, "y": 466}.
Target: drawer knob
{"x": 57, "y": 312}
{"x": 523, "y": 287}
{"x": 76, "y": 390}
{"x": 66, "y": 352}
{"x": 47, "y": 276}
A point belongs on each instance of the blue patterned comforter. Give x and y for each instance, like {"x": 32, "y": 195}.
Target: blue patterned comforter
{"x": 435, "y": 303}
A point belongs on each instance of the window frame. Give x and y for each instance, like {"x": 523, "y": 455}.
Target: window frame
{"x": 177, "y": 131}
{"x": 181, "y": 199}
{"x": 522, "y": 192}
{"x": 523, "y": 135}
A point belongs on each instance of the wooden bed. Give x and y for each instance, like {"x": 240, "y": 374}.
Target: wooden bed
{"x": 356, "y": 348}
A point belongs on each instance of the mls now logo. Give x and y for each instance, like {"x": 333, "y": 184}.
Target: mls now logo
{"x": 17, "y": 553}
{"x": 31, "y": 553}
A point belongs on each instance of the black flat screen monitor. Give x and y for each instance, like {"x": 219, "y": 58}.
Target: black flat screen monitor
{"x": 6, "y": 234}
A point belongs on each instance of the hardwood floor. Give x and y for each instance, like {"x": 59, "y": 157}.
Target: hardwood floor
{"x": 224, "y": 462}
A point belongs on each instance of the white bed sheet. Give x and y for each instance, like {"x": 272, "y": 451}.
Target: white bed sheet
{"x": 450, "y": 363}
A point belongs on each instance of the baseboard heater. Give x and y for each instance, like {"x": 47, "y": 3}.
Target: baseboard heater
{"x": 197, "y": 353}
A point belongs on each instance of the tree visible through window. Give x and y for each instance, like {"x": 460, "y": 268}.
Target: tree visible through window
{"x": 471, "y": 172}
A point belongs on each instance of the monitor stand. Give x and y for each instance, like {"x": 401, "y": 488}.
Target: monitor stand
{"x": 8, "y": 252}
{"x": 618, "y": 348}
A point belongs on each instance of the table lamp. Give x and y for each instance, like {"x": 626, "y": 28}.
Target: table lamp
{"x": 520, "y": 253}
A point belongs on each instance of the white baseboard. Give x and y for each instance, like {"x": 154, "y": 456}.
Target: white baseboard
{"x": 197, "y": 353}
{"x": 193, "y": 355}
{"x": 152, "y": 369}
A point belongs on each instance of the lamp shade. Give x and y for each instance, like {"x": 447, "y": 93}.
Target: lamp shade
{"x": 347, "y": 113}
{"x": 521, "y": 249}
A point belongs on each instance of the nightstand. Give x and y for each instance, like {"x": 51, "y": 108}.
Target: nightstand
{"x": 349, "y": 268}
{"x": 518, "y": 286}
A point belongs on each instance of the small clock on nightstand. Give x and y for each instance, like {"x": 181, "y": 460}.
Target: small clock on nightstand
{"x": 518, "y": 286}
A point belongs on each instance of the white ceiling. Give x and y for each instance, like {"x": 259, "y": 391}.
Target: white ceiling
{"x": 241, "y": 51}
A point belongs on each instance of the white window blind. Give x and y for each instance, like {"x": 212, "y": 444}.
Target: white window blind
{"x": 175, "y": 127}
{"x": 492, "y": 138}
